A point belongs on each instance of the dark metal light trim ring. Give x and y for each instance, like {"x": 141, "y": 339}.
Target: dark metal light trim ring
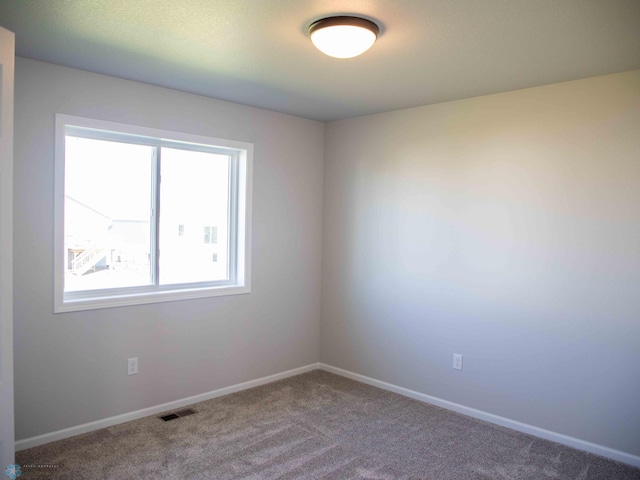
{"x": 343, "y": 20}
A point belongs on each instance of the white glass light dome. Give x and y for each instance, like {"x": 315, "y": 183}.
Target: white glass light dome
{"x": 343, "y": 37}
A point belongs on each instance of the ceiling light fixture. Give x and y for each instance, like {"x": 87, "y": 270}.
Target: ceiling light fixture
{"x": 343, "y": 37}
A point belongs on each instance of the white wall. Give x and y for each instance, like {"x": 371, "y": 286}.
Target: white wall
{"x": 71, "y": 368}
{"x": 505, "y": 228}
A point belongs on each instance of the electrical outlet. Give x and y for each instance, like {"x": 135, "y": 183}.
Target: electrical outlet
{"x": 457, "y": 361}
{"x": 132, "y": 366}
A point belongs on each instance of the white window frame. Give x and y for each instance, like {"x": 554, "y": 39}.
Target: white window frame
{"x": 240, "y": 210}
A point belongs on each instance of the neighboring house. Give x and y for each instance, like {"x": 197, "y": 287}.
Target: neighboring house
{"x": 95, "y": 241}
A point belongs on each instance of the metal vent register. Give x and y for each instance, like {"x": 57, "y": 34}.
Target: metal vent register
{"x": 182, "y": 413}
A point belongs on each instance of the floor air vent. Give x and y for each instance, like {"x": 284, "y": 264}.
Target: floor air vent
{"x": 182, "y": 413}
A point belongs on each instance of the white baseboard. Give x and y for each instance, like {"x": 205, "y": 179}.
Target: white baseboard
{"x": 127, "y": 417}
{"x": 489, "y": 417}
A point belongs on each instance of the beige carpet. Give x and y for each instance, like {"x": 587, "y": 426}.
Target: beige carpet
{"x": 316, "y": 425}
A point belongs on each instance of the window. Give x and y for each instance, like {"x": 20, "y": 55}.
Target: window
{"x": 210, "y": 234}
{"x": 120, "y": 192}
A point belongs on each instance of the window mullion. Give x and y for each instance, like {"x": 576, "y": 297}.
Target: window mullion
{"x": 156, "y": 180}
{"x": 232, "y": 220}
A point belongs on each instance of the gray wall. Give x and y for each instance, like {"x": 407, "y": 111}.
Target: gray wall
{"x": 505, "y": 228}
{"x": 71, "y": 368}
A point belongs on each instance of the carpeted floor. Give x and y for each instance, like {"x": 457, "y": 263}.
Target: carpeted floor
{"x": 315, "y": 425}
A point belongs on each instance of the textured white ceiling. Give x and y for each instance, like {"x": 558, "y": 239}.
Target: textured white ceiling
{"x": 257, "y": 52}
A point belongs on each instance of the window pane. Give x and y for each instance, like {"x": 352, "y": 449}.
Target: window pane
{"x": 195, "y": 193}
{"x": 107, "y": 205}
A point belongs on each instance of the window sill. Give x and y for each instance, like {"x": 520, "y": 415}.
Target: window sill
{"x": 142, "y": 298}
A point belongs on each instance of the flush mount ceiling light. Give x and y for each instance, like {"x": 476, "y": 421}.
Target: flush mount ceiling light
{"x": 343, "y": 37}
